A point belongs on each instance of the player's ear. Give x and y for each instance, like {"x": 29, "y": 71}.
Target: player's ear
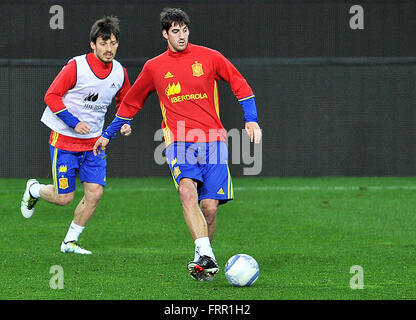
{"x": 165, "y": 34}
{"x": 92, "y": 45}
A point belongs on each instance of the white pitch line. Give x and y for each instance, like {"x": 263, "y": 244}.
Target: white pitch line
{"x": 257, "y": 188}
{"x": 282, "y": 188}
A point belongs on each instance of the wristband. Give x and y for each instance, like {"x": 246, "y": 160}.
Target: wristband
{"x": 250, "y": 108}
{"x": 67, "y": 117}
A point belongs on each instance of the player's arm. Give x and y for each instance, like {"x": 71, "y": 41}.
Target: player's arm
{"x": 228, "y": 72}
{"x": 125, "y": 130}
{"x": 131, "y": 104}
{"x": 109, "y": 133}
{"x": 64, "y": 81}
{"x": 250, "y": 117}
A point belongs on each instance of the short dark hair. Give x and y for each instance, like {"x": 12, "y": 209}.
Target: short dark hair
{"x": 104, "y": 28}
{"x": 173, "y": 15}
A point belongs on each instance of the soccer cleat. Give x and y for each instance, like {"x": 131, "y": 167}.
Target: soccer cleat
{"x": 202, "y": 277}
{"x": 28, "y": 202}
{"x": 204, "y": 269}
{"x": 73, "y": 247}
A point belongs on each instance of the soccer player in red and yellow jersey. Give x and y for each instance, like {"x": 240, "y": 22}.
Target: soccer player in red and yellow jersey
{"x": 77, "y": 101}
{"x": 185, "y": 78}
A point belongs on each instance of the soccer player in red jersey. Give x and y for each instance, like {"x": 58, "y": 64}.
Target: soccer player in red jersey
{"x": 77, "y": 101}
{"x": 185, "y": 78}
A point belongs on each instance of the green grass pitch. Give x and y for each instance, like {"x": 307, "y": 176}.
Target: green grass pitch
{"x": 305, "y": 233}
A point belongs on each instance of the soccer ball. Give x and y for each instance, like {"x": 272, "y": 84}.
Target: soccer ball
{"x": 241, "y": 270}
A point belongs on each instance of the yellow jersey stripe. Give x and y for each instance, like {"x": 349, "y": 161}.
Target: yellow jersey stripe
{"x": 123, "y": 118}
{"x": 60, "y": 111}
{"x": 166, "y": 130}
{"x": 249, "y": 97}
{"x": 216, "y": 100}
{"x": 54, "y": 138}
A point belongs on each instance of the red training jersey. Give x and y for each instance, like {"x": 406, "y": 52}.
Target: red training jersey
{"x": 186, "y": 84}
{"x": 66, "y": 80}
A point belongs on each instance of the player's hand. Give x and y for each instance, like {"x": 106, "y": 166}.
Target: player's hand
{"x": 125, "y": 130}
{"x": 254, "y": 132}
{"x": 100, "y": 144}
{"x": 82, "y": 128}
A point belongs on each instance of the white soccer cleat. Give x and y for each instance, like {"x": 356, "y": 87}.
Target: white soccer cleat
{"x": 28, "y": 202}
{"x": 73, "y": 247}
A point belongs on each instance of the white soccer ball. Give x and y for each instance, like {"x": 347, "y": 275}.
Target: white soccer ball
{"x": 241, "y": 270}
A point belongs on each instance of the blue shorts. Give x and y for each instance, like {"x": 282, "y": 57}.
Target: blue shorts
{"x": 66, "y": 165}
{"x": 207, "y": 163}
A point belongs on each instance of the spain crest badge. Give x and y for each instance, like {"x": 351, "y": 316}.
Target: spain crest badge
{"x": 197, "y": 70}
{"x": 176, "y": 172}
{"x": 63, "y": 183}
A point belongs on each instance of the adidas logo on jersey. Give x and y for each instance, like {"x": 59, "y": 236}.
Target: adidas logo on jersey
{"x": 168, "y": 75}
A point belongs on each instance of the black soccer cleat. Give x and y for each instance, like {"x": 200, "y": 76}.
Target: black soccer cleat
{"x": 204, "y": 269}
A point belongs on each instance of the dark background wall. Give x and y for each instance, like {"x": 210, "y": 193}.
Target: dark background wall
{"x": 332, "y": 101}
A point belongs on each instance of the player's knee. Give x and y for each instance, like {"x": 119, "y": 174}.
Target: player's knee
{"x": 187, "y": 194}
{"x": 93, "y": 195}
{"x": 210, "y": 216}
{"x": 64, "y": 199}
